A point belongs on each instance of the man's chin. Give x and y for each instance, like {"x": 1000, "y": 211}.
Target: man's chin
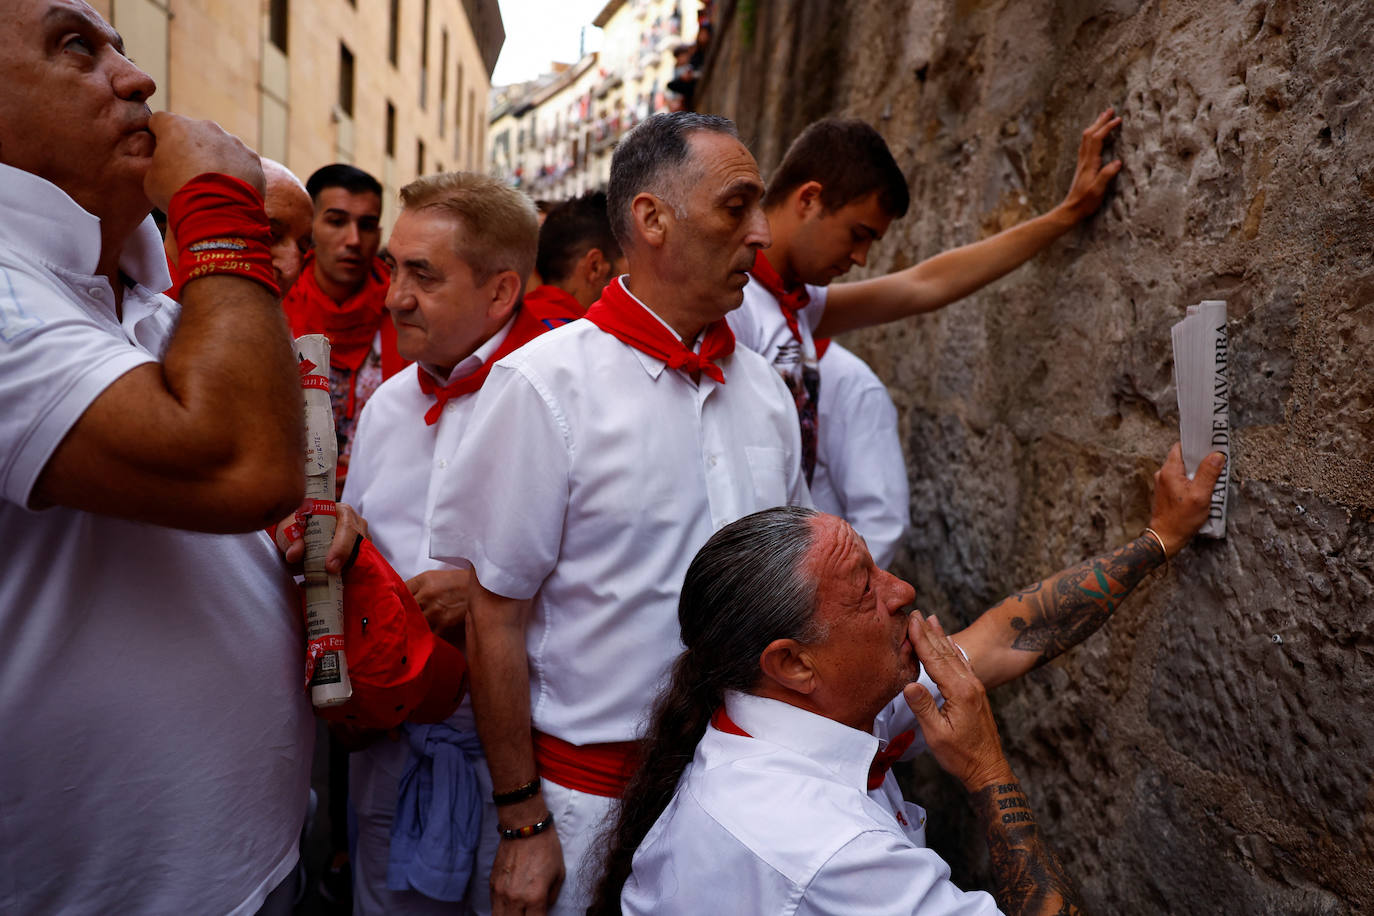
{"x": 731, "y": 300}
{"x": 825, "y": 278}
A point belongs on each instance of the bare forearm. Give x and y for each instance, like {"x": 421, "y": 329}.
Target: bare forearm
{"x": 1029, "y": 877}
{"x": 1046, "y": 619}
{"x": 208, "y": 440}
{"x": 940, "y": 280}
{"x": 499, "y": 675}
{"x": 951, "y": 275}
{"x": 231, "y": 368}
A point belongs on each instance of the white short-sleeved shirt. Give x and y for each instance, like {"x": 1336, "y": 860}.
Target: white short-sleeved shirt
{"x": 588, "y": 478}
{"x": 760, "y": 325}
{"x": 860, "y": 471}
{"x": 783, "y": 821}
{"x": 157, "y": 736}
{"x": 396, "y": 458}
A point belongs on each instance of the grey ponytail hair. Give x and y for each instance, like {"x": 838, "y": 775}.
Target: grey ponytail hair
{"x": 745, "y": 588}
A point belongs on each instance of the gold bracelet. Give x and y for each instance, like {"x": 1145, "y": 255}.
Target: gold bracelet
{"x": 1164, "y": 550}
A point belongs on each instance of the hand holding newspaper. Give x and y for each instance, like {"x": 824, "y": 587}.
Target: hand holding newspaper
{"x": 326, "y": 665}
{"x": 1201, "y": 358}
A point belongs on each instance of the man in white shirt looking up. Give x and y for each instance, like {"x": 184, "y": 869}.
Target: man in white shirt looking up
{"x": 157, "y": 738}
{"x": 599, "y": 458}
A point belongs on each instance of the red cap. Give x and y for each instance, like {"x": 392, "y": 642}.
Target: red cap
{"x": 400, "y": 670}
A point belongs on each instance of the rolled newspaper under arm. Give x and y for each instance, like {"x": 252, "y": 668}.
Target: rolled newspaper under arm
{"x": 1202, "y": 379}
{"x": 326, "y": 665}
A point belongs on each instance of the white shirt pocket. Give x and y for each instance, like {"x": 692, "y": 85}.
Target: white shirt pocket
{"x": 914, "y": 825}
{"x": 768, "y": 471}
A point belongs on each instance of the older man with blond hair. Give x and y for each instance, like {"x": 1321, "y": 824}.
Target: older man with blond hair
{"x": 463, "y": 244}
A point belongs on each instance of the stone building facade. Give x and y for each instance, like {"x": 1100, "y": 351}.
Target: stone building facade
{"x": 553, "y": 137}
{"x": 396, "y": 87}
{"x": 1209, "y": 751}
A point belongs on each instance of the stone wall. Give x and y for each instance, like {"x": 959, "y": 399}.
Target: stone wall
{"x": 1210, "y": 751}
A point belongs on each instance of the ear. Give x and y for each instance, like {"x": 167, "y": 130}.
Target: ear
{"x": 807, "y": 199}
{"x": 650, "y": 218}
{"x": 505, "y": 288}
{"x": 786, "y": 663}
{"x": 592, "y": 268}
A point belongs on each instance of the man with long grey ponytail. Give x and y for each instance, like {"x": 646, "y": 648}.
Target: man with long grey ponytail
{"x": 795, "y": 644}
{"x": 763, "y": 785}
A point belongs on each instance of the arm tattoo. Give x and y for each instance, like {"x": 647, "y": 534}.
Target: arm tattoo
{"x": 1029, "y": 877}
{"x": 1069, "y": 606}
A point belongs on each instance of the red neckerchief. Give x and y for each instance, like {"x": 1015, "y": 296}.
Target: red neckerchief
{"x": 548, "y": 294}
{"x": 822, "y": 344}
{"x": 624, "y": 318}
{"x": 789, "y": 301}
{"x": 533, "y": 319}
{"x": 877, "y": 772}
{"x": 350, "y": 325}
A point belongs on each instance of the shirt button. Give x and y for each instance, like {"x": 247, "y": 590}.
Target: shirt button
{"x": 443, "y": 463}
{"x": 94, "y": 291}
{"x": 711, "y": 461}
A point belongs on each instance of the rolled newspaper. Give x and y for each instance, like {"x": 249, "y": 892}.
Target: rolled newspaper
{"x": 326, "y": 664}
{"x": 1201, "y": 375}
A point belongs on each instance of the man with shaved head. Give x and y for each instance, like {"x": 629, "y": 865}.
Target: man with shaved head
{"x": 597, "y": 459}
{"x": 289, "y": 214}
{"x": 157, "y": 739}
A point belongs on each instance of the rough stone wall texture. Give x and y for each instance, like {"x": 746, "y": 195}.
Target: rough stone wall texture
{"x": 1209, "y": 751}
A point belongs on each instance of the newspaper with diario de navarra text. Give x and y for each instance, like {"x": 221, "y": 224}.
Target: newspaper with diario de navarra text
{"x": 1202, "y": 378}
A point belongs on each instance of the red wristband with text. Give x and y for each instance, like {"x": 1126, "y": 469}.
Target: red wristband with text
{"x": 221, "y": 227}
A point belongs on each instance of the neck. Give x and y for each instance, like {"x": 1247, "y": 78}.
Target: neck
{"x": 335, "y": 291}
{"x": 120, "y": 212}
{"x": 779, "y": 254}
{"x": 861, "y": 720}
{"x": 112, "y": 239}
{"x": 665, "y": 302}
{"x": 490, "y": 331}
{"x": 584, "y": 295}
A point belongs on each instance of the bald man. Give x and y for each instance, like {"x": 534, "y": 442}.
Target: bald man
{"x": 289, "y": 212}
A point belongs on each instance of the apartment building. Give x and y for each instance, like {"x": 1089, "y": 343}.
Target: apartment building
{"x": 553, "y": 137}
{"x": 396, "y": 87}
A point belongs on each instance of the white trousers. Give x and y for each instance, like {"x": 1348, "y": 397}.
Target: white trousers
{"x": 581, "y": 821}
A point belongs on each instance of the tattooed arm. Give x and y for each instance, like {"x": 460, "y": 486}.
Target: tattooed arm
{"x": 963, "y": 737}
{"x": 1044, "y": 620}
{"x": 1029, "y": 876}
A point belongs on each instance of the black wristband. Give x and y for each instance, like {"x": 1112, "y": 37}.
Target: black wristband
{"x": 352, "y": 555}
{"x": 517, "y": 795}
{"x": 521, "y": 833}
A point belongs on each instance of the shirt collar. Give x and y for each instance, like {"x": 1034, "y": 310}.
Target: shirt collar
{"x": 43, "y": 221}
{"x": 845, "y": 751}
{"x": 477, "y": 358}
{"x": 652, "y": 364}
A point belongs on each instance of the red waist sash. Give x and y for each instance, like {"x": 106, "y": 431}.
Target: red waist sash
{"x": 597, "y": 769}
